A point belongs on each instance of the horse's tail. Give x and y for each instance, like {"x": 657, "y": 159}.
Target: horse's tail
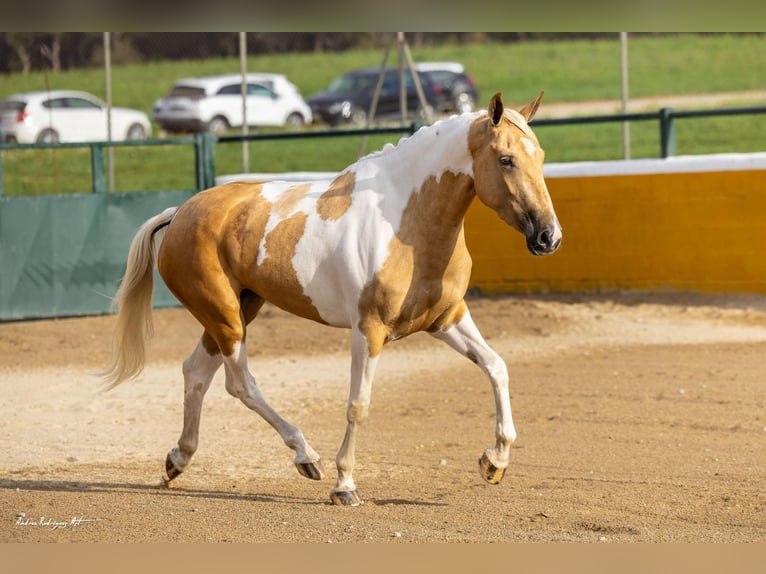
{"x": 134, "y": 299}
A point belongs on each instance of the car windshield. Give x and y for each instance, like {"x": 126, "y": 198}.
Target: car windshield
{"x": 8, "y": 106}
{"x": 442, "y": 76}
{"x": 191, "y": 92}
{"x": 352, "y": 83}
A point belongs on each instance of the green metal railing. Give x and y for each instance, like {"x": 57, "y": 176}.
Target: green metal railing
{"x": 204, "y": 149}
{"x": 97, "y": 161}
{"x": 204, "y": 143}
{"x": 665, "y": 116}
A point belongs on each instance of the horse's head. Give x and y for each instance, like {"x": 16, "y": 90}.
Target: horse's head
{"x": 508, "y": 173}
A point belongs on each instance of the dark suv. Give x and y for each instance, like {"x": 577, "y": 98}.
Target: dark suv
{"x": 455, "y": 89}
{"x": 348, "y": 98}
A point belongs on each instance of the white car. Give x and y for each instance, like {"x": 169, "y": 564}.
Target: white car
{"x": 67, "y": 116}
{"x": 214, "y": 103}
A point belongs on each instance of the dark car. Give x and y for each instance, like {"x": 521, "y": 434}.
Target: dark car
{"x": 455, "y": 89}
{"x": 348, "y": 98}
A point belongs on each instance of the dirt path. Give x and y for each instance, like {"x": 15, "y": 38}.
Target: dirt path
{"x": 640, "y": 418}
{"x": 654, "y": 103}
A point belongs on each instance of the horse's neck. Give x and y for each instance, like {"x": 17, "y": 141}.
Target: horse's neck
{"x": 435, "y": 149}
{"x": 435, "y": 159}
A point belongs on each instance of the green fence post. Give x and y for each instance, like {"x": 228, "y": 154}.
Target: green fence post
{"x": 204, "y": 159}
{"x": 199, "y": 175}
{"x": 209, "y": 170}
{"x": 97, "y": 168}
{"x": 667, "y": 133}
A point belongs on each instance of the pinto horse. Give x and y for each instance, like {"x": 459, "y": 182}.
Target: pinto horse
{"x": 379, "y": 249}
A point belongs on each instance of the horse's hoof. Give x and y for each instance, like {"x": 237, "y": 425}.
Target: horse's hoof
{"x": 489, "y": 471}
{"x": 346, "y": 498}
{"x": 171, "y": 471}
{"x": 312, "y": 470}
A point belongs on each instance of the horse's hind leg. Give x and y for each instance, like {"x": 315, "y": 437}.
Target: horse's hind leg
{"x": 198, "y": 370}
{"x": 240, "y": 383}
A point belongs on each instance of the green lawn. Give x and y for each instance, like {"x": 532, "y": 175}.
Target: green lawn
{"x": 567, "y": 71}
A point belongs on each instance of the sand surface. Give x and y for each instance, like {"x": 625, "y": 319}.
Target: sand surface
{"x": 640, "y": 418}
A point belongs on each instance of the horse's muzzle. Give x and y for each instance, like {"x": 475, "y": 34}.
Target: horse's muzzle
{"x": 544, "y": 240}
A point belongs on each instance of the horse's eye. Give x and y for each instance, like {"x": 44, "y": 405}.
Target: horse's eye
{"x": 506, "y": 161}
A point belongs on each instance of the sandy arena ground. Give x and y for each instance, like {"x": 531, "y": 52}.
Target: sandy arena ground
{"x": 640, "y": 418}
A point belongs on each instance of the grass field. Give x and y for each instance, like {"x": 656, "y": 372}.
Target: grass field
{"x": 567, "y": 71}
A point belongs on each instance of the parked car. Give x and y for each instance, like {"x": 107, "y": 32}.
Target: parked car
{"x": 348, "y": 98}
{"x": 456, "y": 90}
{"x": 67, "y": 116}
{"x": 214, "y": 103}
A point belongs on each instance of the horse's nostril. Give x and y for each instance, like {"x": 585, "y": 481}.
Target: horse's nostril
{"x": 545, "y": 237}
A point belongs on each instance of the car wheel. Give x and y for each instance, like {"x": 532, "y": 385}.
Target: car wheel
{"x": 136, "y": 132}
{"x": 218, "y": 125}
{"x": 295, "y": 120}
{"x": 48, "y": 136}
{"x": 464, "y": 103}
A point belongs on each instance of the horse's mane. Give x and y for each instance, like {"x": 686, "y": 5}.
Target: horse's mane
{"x": 513, "y": 116}
{"x": 414, "y": 137}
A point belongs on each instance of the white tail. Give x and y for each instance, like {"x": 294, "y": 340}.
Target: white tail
{"x": 134, "y": 299}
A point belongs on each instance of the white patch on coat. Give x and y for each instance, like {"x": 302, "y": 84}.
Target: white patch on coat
{"x": 335, "y": 259}
{"x": 271, "y": 191}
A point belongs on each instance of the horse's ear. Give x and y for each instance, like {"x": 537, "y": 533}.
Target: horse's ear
{"x": 530, "y": 109}
{"x": 496, "y": 108}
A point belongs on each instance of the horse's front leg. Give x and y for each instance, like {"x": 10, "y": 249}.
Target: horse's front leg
{"x": 464, "y": 337}
{"x": 364, "y": 360}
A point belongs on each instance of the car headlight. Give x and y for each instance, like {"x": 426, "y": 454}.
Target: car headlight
{"x": 342, "y": 108}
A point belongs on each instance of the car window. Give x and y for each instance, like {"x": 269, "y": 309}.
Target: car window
{"x": 390, "y": 84}
{"x": 81, "y": 104}
{"x": 186, "y": 92}
{"x": 230, "y": 90}
{"x": 55, "y": 103}
{"x": 391, "y": 81}
{"x": 259, "y": 90}
{"x": 352, "y": 83}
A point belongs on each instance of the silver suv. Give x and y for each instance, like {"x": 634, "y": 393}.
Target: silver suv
{"x": 214, "y": 103}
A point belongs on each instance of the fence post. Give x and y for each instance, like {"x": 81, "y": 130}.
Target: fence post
{"x": 667, "y": 133}
{"x": 210, "y": 140}
{"x": 1, "y": 165}
{"x": 97, "y": 168}
{"x": 204, "y": 159}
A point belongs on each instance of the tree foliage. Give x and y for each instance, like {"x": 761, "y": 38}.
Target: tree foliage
{"x": 27, "y": 51}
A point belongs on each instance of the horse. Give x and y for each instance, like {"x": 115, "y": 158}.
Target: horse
{"x": 378, "y": 249}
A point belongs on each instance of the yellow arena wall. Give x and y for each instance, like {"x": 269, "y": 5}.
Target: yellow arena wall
{"x": 684, "y": 223}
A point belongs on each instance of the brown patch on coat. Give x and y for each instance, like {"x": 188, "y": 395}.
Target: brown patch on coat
{"x": 208, "y": 260}
{"x": 337, "y": 199}
{"x": 287, "y": 200}
{"x": 423, "y": 281}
